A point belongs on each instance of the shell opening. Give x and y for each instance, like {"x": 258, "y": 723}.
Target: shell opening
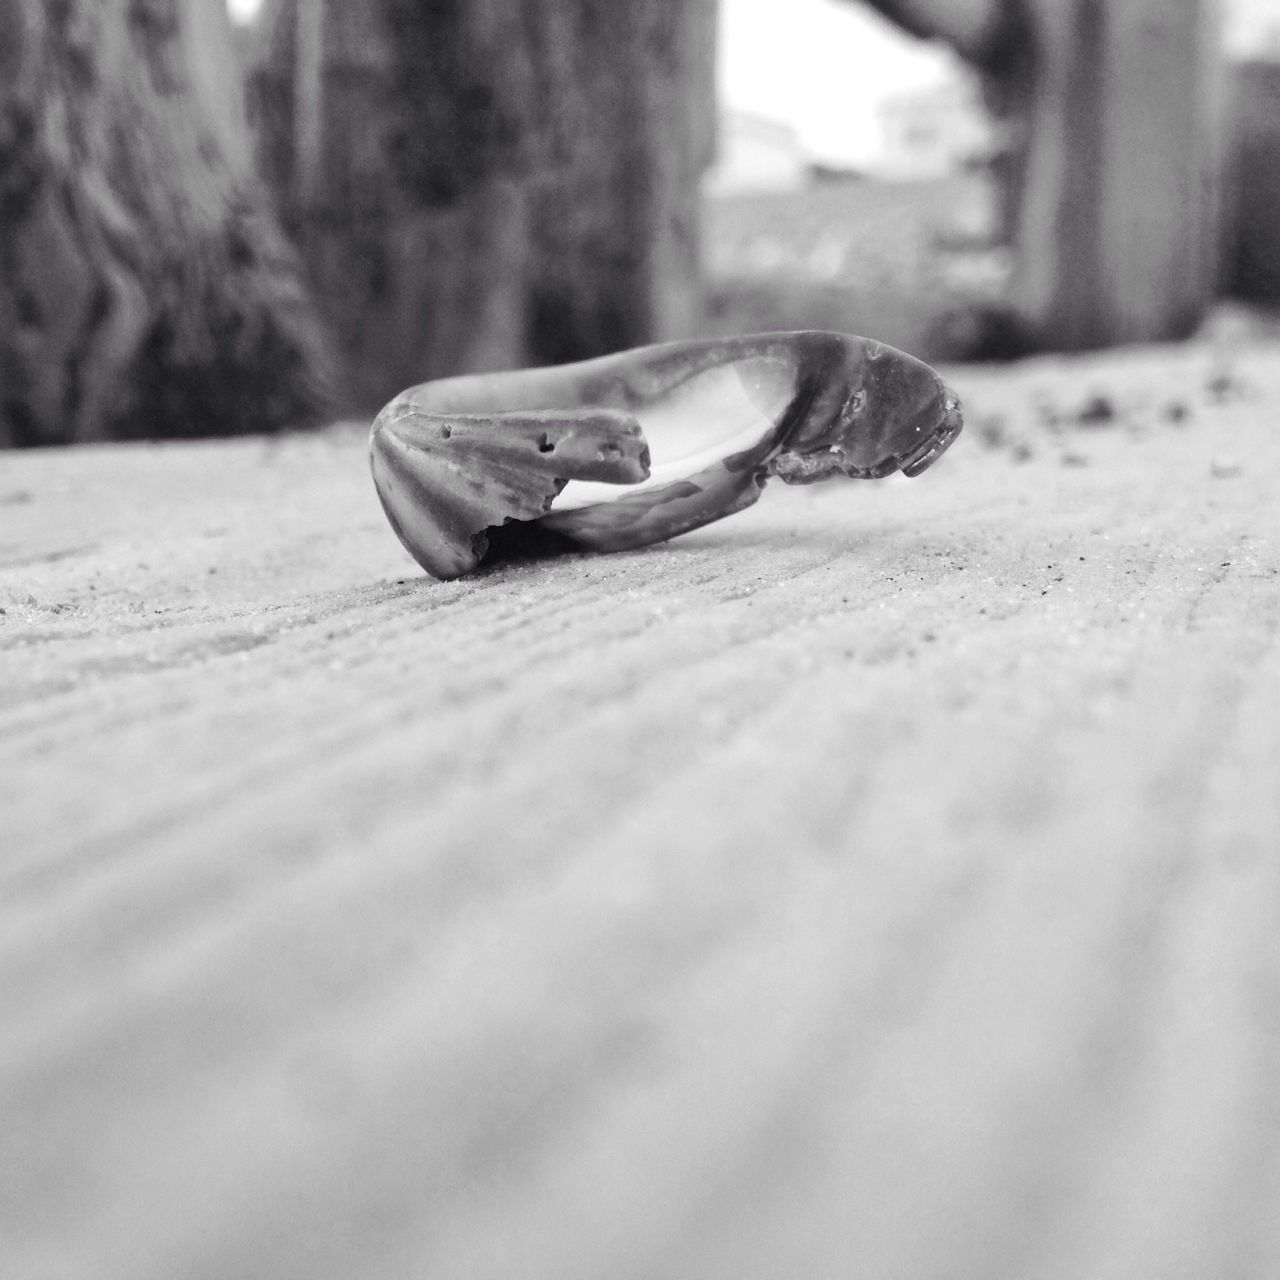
{"x": 713, "y": 415}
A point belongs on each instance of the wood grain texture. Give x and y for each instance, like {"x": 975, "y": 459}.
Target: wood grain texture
{"x": 146, "y": 286}
{"x": 881, "y": 883}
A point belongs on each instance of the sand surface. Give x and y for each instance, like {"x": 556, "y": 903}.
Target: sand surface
{"x": 884, "y": 882}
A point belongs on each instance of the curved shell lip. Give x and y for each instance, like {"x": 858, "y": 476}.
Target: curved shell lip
{"x": 929, "y": 450}
{"x": 806, "y": 467}
{"x": 458, "y": 461}
{"x": 393, "y": 413}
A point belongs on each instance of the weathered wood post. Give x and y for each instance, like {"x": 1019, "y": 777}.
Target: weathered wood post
{"x": 1115, "y": 111}
{"x": 479, "y": 186}
{"x": 1118, "y": 235}
{"x": 145, "y": 288}
{"x": 1253, "y": 247}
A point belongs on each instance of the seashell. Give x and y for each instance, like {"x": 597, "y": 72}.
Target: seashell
{"x": 634, "y": 448}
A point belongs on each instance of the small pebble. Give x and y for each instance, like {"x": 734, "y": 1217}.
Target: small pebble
{"x": 991, "y": 431}
{"x": 1097, "y": 410}
{"x": 1222, "y": 386}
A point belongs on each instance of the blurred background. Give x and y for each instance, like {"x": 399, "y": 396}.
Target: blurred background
{"x": 220, "y": 220}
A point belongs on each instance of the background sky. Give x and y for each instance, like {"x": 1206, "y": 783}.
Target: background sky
{"x": 821, "y": 66}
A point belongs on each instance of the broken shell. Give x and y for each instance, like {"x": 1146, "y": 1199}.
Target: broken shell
{"x": 637, "y": 447}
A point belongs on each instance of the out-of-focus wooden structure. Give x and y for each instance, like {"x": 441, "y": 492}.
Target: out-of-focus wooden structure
{"x": 470, "y": 185}
{"x": 1114, "y": 114}
{"x": 145, "y": 287}
{"x": 1253, "y": 186}
{"x": 477, "y": 186}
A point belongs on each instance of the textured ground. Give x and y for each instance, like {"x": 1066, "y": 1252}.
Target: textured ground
{"x": 885, "y": 882}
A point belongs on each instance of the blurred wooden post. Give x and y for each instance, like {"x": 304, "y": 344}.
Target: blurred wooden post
{"x": 478, "y": 185}
{"x": 1117, "y": 233}
{"x": 1253, "y": 247}
{"x": 1114, "y": 108}
{"x": 621, "y": 132}
{"x": 145, "y": 288}
{"x": 308, "y": 107}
